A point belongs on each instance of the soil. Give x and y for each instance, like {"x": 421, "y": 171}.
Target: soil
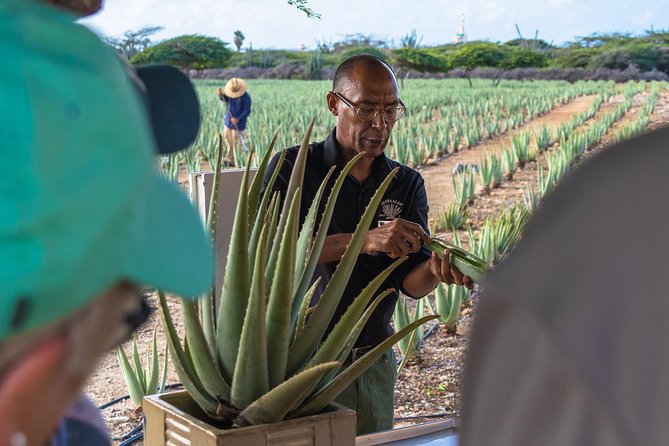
{"x": 429, "y": 386}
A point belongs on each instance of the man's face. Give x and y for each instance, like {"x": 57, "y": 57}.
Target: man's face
{"x": 370, "y": 87}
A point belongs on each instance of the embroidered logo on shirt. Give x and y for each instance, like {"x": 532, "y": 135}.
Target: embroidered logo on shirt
{"x": 390, "y": 209}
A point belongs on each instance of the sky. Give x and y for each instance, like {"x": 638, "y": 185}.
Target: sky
{"x": 275, "y": 24}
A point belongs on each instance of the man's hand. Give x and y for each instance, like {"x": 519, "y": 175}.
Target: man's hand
{"x": 395, "y": 239}
{"x": 234, "y": 120}
{"x": 445, "y": 272}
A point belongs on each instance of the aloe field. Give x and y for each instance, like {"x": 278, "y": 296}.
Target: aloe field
{"x": 487, "y": 153}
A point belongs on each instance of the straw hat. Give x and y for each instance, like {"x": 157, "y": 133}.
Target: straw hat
{"x": 235, "y": 87}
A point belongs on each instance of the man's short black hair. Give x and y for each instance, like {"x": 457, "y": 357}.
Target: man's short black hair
{"x": 344, "y": 70}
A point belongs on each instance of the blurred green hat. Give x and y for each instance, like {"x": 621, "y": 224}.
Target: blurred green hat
{"x": 82, "y": 205}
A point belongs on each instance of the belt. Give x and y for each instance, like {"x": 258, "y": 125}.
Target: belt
{"x": 359, "y": 352}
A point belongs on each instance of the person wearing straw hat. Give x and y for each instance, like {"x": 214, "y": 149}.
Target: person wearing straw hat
{"x": 85, "y": 218}
{"x": 238, "y": 108}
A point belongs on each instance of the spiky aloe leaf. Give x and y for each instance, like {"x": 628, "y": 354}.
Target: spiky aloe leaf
{"x": 449, "y": 302}
{"x": 349, "y": 342}
{"x": 319, "y": 239}
{"x": 200, "y": 353}
{"x": 130, "y": 377}
{"x": 207, "y": 302}
{"x": 468, "y": 264}
{"x": 256, "y": 184}
{"x": 139, "y": 370}
{"x": 267, "y": 199}
{"x": 304, "y": 307}
{"x": 163, "y": 380}
{"x": 275, "y": 404}
{"x": 295, "y": 183}
{"x": 236, "y": 286}
{"x": 412, "y": 337}
{"x": 181, "y": 362}
{"x": 152, "y": 384}
{"x": 401, "y": 319}
{"x": 251, "y": 379}
{"x": 312, "y": 333}
{"x": 280, "y": 298}
{"x": 332, "y": 346}
{"x": 305, "y": 240}
{"x": 321, "y": 399}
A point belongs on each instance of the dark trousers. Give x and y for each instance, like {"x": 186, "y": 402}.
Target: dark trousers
{"x": 372, "y": 396}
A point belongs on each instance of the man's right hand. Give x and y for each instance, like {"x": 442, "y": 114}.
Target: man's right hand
{"x": 395, "y": 239}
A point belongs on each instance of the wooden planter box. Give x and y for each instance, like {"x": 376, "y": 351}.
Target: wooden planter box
{"x": 175, "y": 419}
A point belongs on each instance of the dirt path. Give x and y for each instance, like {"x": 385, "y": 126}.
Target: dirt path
{"x": 438, "y": 177}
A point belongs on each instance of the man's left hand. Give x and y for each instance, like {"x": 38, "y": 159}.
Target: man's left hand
{"x": 443, "y": 270}
{"x": 234, "y": 120}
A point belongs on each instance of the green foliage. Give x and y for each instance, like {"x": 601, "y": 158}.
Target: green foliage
{"x": 411, "y": 40}
{"x": 403, "y": 317}
{"x": 133, "y": 41}
{"x": 355, "y": 50}
{"x": 314, "y": 68}
{"x": 477, "y": 54}
{"x": 238, "y": 39}
{"x": 422, "y": 60}
{"x": 517, "y": 57}
{"x": 188, "y": 51}
{"x": 453, "y": 218}
{"x": 145, "y": 379}
{"x": 642, "y": 55}
{"x": 302, "y": 6}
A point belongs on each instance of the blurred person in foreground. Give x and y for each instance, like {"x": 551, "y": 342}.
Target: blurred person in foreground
{"x": 569, "y": 344}
{"x": 365, "y": 103}
{"x": 237, "y": 110}
{"x": 85, "y": 218}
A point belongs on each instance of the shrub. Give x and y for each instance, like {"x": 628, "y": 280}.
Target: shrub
{"x": 354, "y": 51}
{"x": 419, "y": 60}
{"x": 478, "y": 54}
{"x": 188, "y": 51}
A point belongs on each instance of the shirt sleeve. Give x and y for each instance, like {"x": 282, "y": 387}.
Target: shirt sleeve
{"x": 245, "y": 108}
{"x": 416, "y": 213}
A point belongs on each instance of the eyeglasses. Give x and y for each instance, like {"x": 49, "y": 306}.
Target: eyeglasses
{"x": 368, "y": 113}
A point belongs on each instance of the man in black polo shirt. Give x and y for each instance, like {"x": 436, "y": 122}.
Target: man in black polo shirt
{"x": 365, "y": 101}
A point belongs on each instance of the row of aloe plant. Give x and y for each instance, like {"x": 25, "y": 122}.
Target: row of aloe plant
{"x": 258, "y": 358}
{"x": 581, "y": 140}
{"x": 572, "y": 145}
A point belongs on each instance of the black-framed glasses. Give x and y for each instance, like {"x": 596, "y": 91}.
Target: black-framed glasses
{"x": 367, "y": 113}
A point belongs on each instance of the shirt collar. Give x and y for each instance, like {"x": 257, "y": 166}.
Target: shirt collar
{"x": 332, "y": 157}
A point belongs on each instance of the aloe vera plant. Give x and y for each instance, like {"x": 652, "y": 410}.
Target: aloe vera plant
{"x": 463, "y": 187}
{"x": 468, "y": 263}
{"x": 144, "y": 379}
{"x": 403, "y": 317}
{"x": 449, "y": 300}
{"x": 262, "y": 359}
{"x": 453, "y": 218}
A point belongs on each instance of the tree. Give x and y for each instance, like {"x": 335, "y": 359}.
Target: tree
{"x": 420, "y": 60}
{"x": 239, "y": 39}
{"x": 302, "y": 6}
{"x": 188, "y": 51}
{"x": 411, "y": 40}
{"x": 133, "y": 42}
{"x": 519, "y": 57}
{"x": 474, "y": 55}
{"x": 354, "y": 51}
